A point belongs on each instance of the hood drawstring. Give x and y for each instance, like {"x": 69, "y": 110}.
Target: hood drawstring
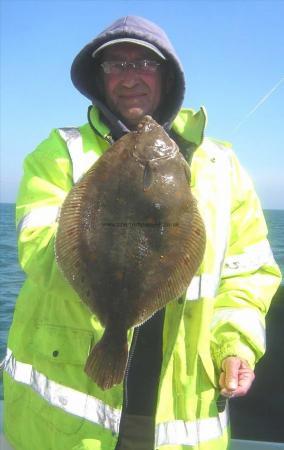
{"x": 108, "y": 138}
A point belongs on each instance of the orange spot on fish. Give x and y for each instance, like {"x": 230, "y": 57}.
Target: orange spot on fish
{"x": 119, "y": 275}
{"x": 173, "y": 231}
{"x": 93, "y": 257}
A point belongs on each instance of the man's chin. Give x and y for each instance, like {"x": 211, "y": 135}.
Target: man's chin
{"x": 133, "y": 116}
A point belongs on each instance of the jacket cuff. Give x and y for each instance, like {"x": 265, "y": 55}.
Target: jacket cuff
{"x": 238, "y": 349}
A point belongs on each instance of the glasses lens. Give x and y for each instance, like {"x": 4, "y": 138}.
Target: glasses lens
{"x": 141, "y": 66}
{"x": 147, "y": 65}
{"x": 114, "y": 67}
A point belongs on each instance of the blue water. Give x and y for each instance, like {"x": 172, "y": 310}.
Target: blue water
{"x": 11, "y": 276}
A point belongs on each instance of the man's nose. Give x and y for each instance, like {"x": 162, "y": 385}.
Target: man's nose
{"x": 130, "y": 78}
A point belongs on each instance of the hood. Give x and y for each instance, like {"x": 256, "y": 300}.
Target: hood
{"x": 84, "y": 70}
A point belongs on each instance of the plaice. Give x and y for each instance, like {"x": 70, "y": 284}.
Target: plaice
{"x": 130, "y": 239}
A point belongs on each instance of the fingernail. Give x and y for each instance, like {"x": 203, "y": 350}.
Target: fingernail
{"x": 232, "y": 384}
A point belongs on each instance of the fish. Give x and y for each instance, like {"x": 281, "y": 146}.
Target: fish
{"x": 130, "y": 239}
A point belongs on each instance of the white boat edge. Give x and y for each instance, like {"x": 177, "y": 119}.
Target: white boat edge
{"x": 236, "y": 444}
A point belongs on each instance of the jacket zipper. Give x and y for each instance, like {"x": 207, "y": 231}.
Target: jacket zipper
{"x": 125, "y": 394}
{"x": 130, "y": 356}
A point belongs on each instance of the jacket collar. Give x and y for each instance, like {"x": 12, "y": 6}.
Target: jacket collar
{"x": 188, "y": 124}
{"x": 191, "y": 125}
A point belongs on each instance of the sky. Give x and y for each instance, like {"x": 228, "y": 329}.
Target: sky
{"x": 232, "y": 53}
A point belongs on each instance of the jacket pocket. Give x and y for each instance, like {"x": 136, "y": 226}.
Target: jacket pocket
{"x": 62, "y": 345}
{"x": 208, "y": 367}
{"x": 58, "y": 380}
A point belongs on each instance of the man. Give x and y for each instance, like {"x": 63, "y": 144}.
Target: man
{"x": 201, "y": 345}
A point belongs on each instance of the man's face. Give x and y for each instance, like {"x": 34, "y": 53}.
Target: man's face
{"x": 132, "y": 94}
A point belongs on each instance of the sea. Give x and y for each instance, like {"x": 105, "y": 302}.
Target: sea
{"x": 12, "y": 277}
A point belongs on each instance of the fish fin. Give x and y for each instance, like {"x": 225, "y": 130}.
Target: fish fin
{"x": 187, "y": 171}
{"x": 107, "y": 360}
{"x": 189, "y": 261}
{"x": 147, "y": 177}
{"x": 68, "y": 242}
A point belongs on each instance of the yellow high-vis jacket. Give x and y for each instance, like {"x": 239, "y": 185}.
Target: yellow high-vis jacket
{"x": 50, "y": 403}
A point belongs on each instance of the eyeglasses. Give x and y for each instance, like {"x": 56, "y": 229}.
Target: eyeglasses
{"x": 141, "y": 66}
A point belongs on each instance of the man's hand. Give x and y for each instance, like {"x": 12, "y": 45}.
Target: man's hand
{"x": 236, "y": 377}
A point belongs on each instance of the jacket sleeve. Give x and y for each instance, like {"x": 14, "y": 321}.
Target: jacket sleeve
{"x": 47, "y": 179}
{"x": 249, "y": 278}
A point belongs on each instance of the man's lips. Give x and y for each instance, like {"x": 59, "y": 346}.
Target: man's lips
{"x": 131, "y": 96}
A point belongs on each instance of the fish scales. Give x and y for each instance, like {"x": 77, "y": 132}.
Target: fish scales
{"x": 135, "y": 241}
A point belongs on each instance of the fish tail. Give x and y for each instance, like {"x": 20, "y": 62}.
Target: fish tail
{"x": 107, "y": 360}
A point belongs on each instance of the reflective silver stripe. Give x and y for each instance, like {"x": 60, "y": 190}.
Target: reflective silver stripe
{"x": 74, "y": 402}
{"x": 247, "y": 320}
{"x": 39, "y": 217}
{"x": 70, "y": 400}
{"x": 2, "y": 364}
{"x": 81, "y": 161}
{"x": 252, "y": 259}
{"x": 179, "y": 432}
{"x": 202, "y": 286}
